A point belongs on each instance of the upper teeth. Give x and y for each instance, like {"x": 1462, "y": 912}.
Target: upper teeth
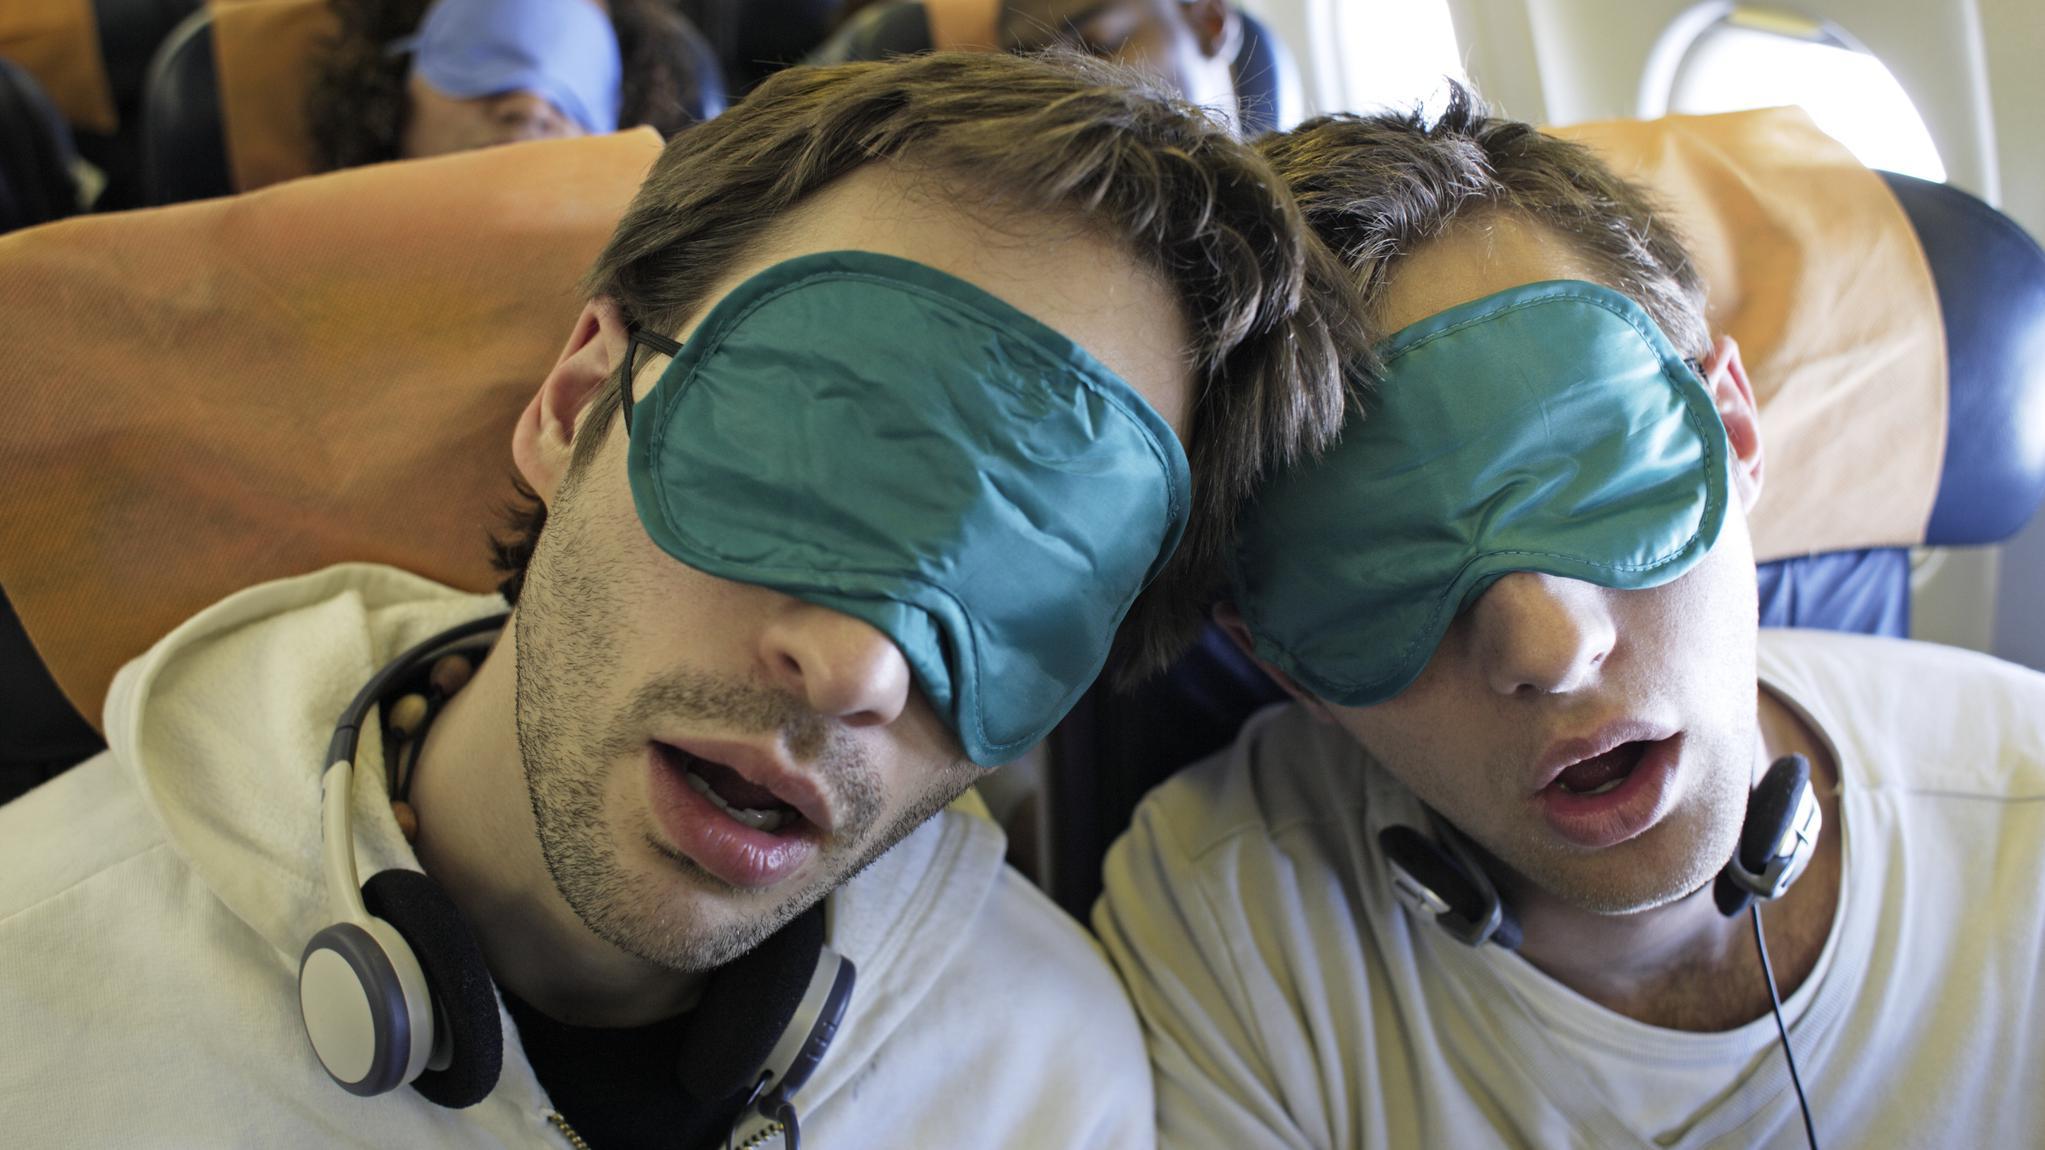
{"x": 1600, "y": 789}
{"x": 758, "y": 820}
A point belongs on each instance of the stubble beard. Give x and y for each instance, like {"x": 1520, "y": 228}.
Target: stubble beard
{"x": 569, "y": 748}
{"x": 1673, "y": 860}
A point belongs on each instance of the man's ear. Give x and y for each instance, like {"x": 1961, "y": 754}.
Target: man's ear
{"x": 1216, "y": 27}
{"x": 544, "y": 441}
{"x": 1726, "y": 378}
{"x": 1231, "y": 623}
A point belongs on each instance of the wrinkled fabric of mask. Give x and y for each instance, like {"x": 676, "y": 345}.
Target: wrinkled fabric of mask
{"x": 877, "y": 437}
{"x": 1548, "y": 428}
{"x": 565, "y": 50}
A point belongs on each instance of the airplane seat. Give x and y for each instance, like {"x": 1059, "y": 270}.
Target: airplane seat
{"x": 1865, "y": 590}
{"x": 41, "y": 733}
{"x": 756, "y": 38}
{"x": 1266, "y": 77}
{"x": 875, "y": 32}
{"x": 191, "y": 148}
{"x": 184, "y": 138}
{"x": 193, "y": 476}
{"x": 129, "y": 33}
{"x": 1989, "y": 278}
{"x": 88, "y": 57}
{"x": 36, "y": 154}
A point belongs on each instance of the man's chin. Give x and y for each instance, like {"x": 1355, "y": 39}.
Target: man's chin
{"x": 1614, "y": 885}
{"x": 663, "y": 908}
{"x": 1619, "y": 902}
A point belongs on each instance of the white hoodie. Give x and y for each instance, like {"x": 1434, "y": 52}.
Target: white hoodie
{"x": 154, "y": 902}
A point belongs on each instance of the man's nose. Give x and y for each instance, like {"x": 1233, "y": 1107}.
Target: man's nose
{"x": 842, "y": 667}
{"x": 1542, "y": 634}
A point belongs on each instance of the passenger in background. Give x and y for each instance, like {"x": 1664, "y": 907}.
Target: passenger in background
{"x": 408, "y": 78}
{"x": 900, "y": 391}
{"x": 1517, "y": 609}
{"x": 1188, "y": 45}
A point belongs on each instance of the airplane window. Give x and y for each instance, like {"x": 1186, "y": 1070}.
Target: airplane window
{"x": 1756, "y": 58}
{"x": 1393, "y": 52}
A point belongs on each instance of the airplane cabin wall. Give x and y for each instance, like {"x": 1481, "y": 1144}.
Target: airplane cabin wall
{"x": 2013, "y": 32}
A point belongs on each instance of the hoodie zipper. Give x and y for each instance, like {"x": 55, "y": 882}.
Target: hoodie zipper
{"x": 759, "y": 1137}
{"x": 567, "y": 1131}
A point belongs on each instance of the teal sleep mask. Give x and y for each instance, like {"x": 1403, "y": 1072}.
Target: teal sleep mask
{"x": 874, "y": 436}
{"x": 1549, "y": 428}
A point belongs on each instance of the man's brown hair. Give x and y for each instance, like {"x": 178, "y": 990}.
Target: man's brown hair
{"x": 1271, "y": 314}
{"x": 1375, "y": 187}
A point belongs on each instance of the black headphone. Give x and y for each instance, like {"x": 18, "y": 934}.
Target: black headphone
{"x": 1441, "y": 878}
{"x": 398, "y": 992}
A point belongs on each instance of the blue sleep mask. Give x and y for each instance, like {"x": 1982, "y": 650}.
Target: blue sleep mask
{"x": 565, "y": 50}
{"x": 877, "y": 437}
{"x": 1547, "y": 428}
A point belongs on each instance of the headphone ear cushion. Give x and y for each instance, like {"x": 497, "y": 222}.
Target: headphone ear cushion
{"x": 1433, "y": 868}
{"x": 1468, "y": 896}
{"x": 746, "y": 1005}
{"x": 464, "y": 997}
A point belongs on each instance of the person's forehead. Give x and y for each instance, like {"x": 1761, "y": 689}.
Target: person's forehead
{"x": 1089, "y": 288}
{"x": 1475, "y": 258}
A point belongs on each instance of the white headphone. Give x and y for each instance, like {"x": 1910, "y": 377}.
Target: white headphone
{"x": 396, "y": 991}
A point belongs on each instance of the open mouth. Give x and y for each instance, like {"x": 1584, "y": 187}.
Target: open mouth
{"x": 1603, "y": 799}
{"x": 726, "y": 818}
{"x": 749, "y": 803}
{"x": 1602, "y": 773}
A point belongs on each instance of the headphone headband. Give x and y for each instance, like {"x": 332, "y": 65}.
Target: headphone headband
{"x": 391, "y": 997}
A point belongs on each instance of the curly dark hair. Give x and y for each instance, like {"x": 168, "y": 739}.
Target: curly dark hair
{"x": 356, "y": 105}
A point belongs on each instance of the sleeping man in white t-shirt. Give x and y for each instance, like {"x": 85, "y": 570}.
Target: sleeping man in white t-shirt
{"x": 1552, "y": 828}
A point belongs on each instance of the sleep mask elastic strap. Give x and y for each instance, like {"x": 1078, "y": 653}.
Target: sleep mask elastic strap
{"x": 654, "y": 341}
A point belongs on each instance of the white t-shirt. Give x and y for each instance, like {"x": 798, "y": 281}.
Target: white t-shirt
{"x": 1289, "y": 1000}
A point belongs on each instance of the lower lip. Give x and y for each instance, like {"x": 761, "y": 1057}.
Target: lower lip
{"x": 1637, "y": 803}
{"x": 720, "y": 844}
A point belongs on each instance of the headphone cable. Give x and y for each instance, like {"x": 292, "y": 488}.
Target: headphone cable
{"x": 775, "y": 1107}
{"x": 1775, "y": 1004}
